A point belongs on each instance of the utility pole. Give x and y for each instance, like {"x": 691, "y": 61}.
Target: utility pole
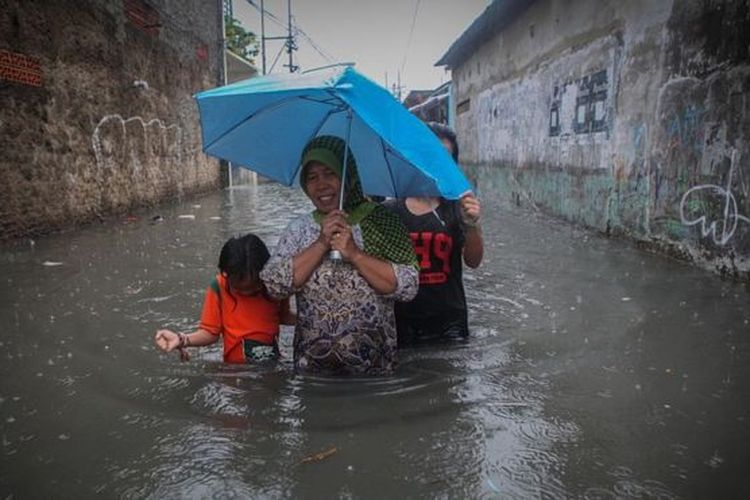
{"x": 291, "y": 45}
{"x": 226, "y": 11}
{"x": 263, "y": 34}
{"x": 395, "y": 86}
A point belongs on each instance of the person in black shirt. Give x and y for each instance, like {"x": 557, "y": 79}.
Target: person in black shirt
{"x": 445, "y": 234}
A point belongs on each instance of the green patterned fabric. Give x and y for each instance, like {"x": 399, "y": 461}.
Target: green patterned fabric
{"x": 386, "y": 237}
{"x": 384, "y": 234}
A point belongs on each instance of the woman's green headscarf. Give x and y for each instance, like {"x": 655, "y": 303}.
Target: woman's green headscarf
{"x": 383, "y": 232}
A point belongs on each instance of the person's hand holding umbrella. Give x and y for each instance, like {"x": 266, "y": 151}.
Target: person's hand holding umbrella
{"x": 342, "y": 239}
{"x": 332, "y": 225}
{"x": 378, "y": 273}
{"x": 470, "y": 210}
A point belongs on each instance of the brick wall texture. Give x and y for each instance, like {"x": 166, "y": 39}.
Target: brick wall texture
{"x": 96, "y": 108}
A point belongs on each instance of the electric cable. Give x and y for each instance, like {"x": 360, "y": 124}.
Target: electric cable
{"x": 411, "y": 34}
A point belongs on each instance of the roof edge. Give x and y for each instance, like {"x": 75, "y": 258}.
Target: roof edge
{"x": 495, "y": 18}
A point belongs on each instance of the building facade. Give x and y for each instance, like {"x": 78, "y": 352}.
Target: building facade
{"x": 629, "y": 117}
{"x": 96, "y": 108}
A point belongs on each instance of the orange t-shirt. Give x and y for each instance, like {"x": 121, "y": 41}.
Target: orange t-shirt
{"x": 237, "y": 317}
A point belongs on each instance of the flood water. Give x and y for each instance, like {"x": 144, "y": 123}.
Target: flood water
{"x": 594, "y": 371}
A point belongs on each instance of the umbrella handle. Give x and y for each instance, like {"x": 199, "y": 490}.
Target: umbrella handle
{"x": 335, "y": 255}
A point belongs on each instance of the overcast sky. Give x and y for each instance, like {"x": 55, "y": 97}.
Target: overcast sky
{"x": 373, "y": 34}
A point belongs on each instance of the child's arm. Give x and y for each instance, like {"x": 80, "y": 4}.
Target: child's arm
{"x": 211, "y": 319}
{"x": 167, "y": 340}
{"x": 286, "y": 316}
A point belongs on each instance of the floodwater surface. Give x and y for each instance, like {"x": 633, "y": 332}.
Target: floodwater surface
{"x": 594, "y": 370}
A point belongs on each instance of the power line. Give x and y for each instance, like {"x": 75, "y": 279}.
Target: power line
{"x": 297, "y": 31}
{"x": 276, "y": 59}
{"x": 289, "y": 43}
{"x": 268, "y": 13}
{"x": 411, "y": 34}
{"x": 320, "y": 50}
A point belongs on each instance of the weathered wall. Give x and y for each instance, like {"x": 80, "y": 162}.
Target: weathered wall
{"x": 629, "y": 117}
{"x": 96, "y": 108}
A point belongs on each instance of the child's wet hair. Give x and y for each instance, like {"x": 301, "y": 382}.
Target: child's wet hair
{"x": 243, "y": 257}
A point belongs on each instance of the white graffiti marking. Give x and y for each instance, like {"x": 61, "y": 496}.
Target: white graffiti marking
{"x": 731, "y": 216}
{"x": 96, "y": 141}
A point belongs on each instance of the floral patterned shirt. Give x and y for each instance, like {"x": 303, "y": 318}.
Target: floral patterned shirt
{"x": 343, "y": 325}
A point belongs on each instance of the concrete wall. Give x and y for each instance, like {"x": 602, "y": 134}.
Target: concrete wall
{"x": 96, "y": 108}
{"x": 628, "y": 117}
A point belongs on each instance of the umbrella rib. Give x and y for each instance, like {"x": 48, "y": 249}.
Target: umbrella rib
{"x": 264, "y": 109}
{"x": 333, "y": 100}
{"x": 343, "y": 105}
{"x": 390, "y": 173}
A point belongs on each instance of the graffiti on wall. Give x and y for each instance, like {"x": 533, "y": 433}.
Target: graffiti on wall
{"x": 559, "y": 115}
{"x": 700, "y": 204}
{"x": 554, "y": 111}
{"x": 135, "y": 158}
{"x": 589, "y": 115}
{"x": 699, "y": 179}
{"x": 685, "y": 129}
{"x": 680, "y": 151}
{"x": 165, "y": 140}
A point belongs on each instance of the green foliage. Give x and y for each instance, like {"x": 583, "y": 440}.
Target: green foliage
{"x": 240, "y": 41}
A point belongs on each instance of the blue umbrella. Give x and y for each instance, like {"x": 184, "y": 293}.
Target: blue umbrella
{"x": 264, "y": 123}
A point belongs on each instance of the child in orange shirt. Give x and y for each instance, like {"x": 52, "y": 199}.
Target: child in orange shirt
{"x": 236, "y": 308}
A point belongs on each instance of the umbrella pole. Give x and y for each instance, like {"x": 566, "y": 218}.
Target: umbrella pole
{"x": 346, "y": 156}
{"x": 335, "y": 254}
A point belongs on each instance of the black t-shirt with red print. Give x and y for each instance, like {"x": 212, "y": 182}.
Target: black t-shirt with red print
{"x": 439, "y": 309}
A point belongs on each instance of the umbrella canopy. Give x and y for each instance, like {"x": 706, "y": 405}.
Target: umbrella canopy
{"x": 264, "y": 123}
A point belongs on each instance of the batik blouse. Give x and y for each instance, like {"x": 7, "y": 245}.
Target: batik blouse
{"x": 343, "y": 326}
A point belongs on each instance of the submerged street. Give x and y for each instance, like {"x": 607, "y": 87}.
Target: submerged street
{"x": 594, "y": 370}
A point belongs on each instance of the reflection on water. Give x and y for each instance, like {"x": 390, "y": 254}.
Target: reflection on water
{"x": 594, "y": 371}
